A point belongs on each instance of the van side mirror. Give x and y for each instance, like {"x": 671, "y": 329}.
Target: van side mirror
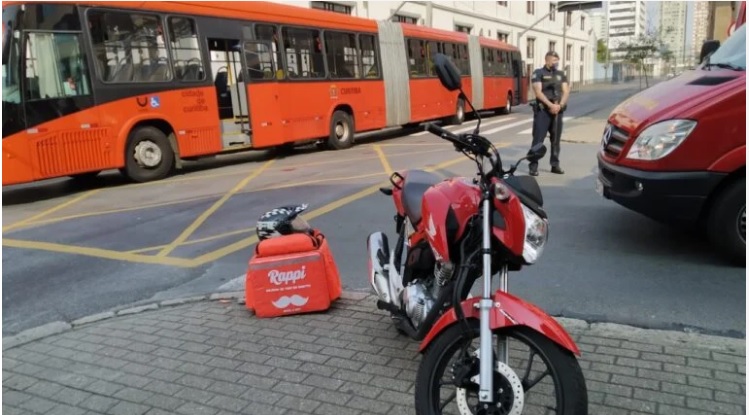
{"x": 708, "y": 48}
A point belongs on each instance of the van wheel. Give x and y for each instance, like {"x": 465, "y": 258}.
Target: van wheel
{"x": 149, "y": 155}
{"x": 341, "y": 130}
{"x": 726, "y": 225}
{"x": 460, "y": 113}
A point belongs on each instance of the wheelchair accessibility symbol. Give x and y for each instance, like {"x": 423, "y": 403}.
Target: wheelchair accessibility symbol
{"x": 155, "y": 103}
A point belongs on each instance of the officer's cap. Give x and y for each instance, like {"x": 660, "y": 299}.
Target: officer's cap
{"x": 552, "y": 53}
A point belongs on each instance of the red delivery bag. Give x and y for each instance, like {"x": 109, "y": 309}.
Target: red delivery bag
{"x": 291, "y": 274}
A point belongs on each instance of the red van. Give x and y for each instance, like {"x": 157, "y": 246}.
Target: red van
{"x": 676, "y": 152}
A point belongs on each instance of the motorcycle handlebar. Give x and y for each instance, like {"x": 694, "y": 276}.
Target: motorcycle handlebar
{"x": 443, "y": 133}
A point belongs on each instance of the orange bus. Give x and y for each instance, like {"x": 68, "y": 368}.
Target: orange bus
{"x": 142, "y": 86}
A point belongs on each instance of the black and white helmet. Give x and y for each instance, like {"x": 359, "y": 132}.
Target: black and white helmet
{"x": 283, "y": 220}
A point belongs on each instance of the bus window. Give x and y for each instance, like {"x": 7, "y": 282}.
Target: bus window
{"x": 13, "y": 120}
{"x": 269, "y": 33}
{"x": 368, "y": 51}
{"x": 343, "y": 57}
{"x": 55, "y": 66}
{"x": 416, "y": 61}
{"x": 185, "y": 49}
{"x": 432, "y": 49}
{"x": 304, "y": 58}
{"x": 259, "y": 61}
{"x": 129, "y": 47}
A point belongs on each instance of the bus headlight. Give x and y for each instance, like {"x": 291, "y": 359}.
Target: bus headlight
{"x": 659, "y": 140}
{"x": 536, "y": 234}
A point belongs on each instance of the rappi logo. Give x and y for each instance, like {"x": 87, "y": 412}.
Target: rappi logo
{"x": 286, "y": 277}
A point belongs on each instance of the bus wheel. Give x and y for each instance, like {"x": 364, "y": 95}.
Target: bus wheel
{"x": 726, "y": 225}
{"x": 341, "y": 130}
{"x": 460, "y": 113}
{"x": 149, "y": 155}
{"x": 508, "y": 107}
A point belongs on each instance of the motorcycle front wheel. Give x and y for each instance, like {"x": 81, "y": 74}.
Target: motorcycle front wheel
{"x": 447, "y": 380}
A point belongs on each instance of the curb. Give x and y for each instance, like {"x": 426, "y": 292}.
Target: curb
{"x": 57, "y": 327}
{"x": 675, "y": 338}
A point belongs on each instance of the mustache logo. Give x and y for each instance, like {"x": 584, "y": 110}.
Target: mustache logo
{"x": 295, "y": 299}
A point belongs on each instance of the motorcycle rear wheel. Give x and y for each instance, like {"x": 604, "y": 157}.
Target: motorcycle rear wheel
{"x": 569, "y": 383}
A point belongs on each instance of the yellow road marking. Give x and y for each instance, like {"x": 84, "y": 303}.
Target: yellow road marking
{"x": 247, "y": 230}
{"x": 202, "y": 218}
{"x": 51, "y": 210}
{"x": 247, "y": 242}
{"x": 96, "y": 252}
{"x": 383, "y": 160}
{"x": 210, "y": 256}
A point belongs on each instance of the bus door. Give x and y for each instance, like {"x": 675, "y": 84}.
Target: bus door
{"x": 262, "y": 74}
{"x": 517, "y": 78}
{"x": 227, "y": 64}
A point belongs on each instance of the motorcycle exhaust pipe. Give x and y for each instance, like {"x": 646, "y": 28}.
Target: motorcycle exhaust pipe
{"x": 377, "y": 246}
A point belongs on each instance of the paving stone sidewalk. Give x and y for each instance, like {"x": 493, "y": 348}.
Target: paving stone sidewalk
{"x": 215, "y": 357}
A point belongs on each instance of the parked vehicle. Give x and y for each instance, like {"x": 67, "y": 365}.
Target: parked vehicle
{"x": 676, "y": 152}
{"x": 453, "y": 232}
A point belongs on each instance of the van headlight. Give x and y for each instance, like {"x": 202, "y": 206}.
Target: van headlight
{"x": 536, "y": 234}
{"x": 659, "y": 140}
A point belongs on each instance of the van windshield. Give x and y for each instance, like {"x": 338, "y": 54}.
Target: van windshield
{"x": 732, "y": 54}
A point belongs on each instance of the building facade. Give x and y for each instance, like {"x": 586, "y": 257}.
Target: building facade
{"x": 673, "y": 29}
{"x": 626, "y": 23}
{"x": 700, "y": 15}
{"x": 569, "y": 34}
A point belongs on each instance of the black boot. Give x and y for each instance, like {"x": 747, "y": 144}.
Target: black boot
{"x": 557, "y": 170}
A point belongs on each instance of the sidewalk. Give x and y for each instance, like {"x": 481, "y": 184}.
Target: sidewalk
{"x": 214, "y": 357}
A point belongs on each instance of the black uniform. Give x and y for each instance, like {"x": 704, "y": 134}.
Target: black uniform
{"x": 544, "y": 121}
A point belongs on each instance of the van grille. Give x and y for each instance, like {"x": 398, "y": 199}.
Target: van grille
{"x": 613, "y": 142}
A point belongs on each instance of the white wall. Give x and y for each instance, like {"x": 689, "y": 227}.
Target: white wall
{"x": 488, "y": 18}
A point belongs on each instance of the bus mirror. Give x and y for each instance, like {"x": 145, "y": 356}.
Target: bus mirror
{"x": 708, "y": 48}
{"x": 447, "y": 72}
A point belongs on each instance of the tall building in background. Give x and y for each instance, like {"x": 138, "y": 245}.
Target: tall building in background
{"x": 600, "y": 25}
{"x": 626, "y": 22}
{"x": 673, "y": 28}
{"x": 699, "y": 26}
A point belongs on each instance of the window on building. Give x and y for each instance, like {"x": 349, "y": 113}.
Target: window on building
{"x": 568, "y": 55}
{"x": 582, "y": 54}
{"x": 530, "y": 46}
{"x": 464, "y": 29}
{"x": 582, "y": 22}
{"x": 503, "y": 37}
{"x": 186, "y": 57}
{"x": 568, "y": 16}
{"x": 331, "y": 7}
{"x": 552, "y": 46}
{"x": 502, "y": 3}
{"x": 530, "y": 7}
{"x": 552, "y": 12}
{"x": 405, "y": 19}
{"x": 528, "y": 69}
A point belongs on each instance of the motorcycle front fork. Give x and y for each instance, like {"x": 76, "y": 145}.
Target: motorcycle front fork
{"x": 486, "y": 350}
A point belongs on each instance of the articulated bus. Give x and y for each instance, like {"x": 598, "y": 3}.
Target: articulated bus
{"x": 142, "y": 86}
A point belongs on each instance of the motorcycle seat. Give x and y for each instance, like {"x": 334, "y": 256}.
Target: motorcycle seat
{"x": 416, "y": 184}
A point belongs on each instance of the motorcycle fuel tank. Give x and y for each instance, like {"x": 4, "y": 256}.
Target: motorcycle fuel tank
{"x": 446, "y": 209}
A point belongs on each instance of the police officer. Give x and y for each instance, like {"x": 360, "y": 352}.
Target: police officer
{"x": 552, "y": 92}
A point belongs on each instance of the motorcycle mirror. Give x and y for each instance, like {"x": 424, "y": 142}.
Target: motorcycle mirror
{"x": 447, "y": 72}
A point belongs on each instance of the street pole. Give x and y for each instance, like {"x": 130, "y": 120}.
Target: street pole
{"x": 400, "y": 6}
{"x": 520, "y": 35}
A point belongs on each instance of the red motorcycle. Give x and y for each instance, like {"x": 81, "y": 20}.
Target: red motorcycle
{"x": 453, "y": 232}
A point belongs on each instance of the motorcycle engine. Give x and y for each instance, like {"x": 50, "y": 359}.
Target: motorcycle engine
{"x": 419, "y": 300}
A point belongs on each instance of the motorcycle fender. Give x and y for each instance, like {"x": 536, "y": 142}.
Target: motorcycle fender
{"x": 512, "y": 311}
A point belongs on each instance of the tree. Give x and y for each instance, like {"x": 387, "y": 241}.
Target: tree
{"x": 601, "y": 52}
{"x": 642, "y": 48}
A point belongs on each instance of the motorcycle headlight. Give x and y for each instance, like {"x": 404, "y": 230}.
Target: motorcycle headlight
{"x": 659, "y": 140}
{"x": 536, "y": 234}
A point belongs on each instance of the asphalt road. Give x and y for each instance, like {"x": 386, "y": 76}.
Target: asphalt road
{"x": 71, "y": 250}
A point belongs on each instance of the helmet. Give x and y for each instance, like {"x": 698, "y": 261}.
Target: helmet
{"x": 283, "y": 220}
